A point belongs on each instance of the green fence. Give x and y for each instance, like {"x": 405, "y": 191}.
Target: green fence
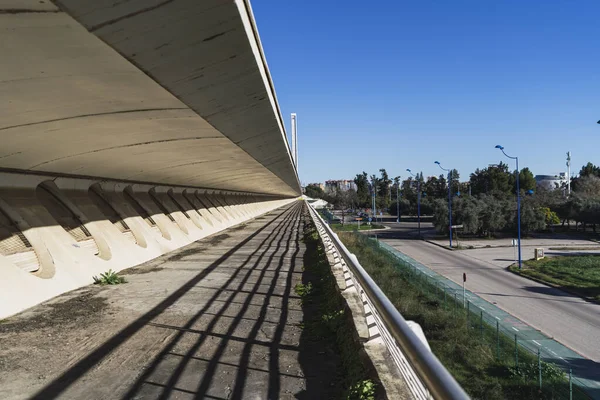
{"x": 530, "y": 355}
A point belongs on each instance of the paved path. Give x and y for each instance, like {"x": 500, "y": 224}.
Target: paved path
{"x": 217, "y": 320}
{"x": 568, "y": 318}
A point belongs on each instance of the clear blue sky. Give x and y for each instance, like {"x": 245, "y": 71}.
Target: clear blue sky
{"x": 400, "y": 84}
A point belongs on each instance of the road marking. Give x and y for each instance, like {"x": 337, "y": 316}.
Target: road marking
{"x": 515, "y": 328}
{"x": 497, "y": 318}
{"x": 482, "y": 308}
{"x": 536, "y": 343}
{"x": 552, "y": 351}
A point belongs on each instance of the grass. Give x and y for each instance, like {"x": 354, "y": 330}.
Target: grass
{"x": 348, "y": 227}
{"x": 327, "y": 319}
{"x": 482, "y": 362}
{"x": 591, "y": 247}
{"x": 577, "y": 274}
{"x": 109, "y": 278}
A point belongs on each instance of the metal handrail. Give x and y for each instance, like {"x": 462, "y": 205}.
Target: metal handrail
{"x": 429, "y": 369}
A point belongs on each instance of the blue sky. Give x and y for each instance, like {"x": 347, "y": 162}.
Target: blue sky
{"x": 400, "y": 84}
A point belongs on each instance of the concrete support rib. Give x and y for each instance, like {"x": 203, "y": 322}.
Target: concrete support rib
{"x": 131, "y": 129}
{"x": 162, "y": 219}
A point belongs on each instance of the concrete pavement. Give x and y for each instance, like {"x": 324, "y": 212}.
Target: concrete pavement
{"x": 218, "y": 319}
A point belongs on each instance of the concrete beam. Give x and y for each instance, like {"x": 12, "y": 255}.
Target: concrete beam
{"x": 173, "y": 93}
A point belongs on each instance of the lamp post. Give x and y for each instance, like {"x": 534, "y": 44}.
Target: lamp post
{"x": 418, "y": 200}
{"x": 449, "y": 171}
{"x": 518, "y": 203}
{"x": 374, "y": 199}
{"x": 398, "y": 200}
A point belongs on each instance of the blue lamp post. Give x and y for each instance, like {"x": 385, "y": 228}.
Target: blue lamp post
{"x": 518, "y": 203}
{"x": 398, "y": 200}
{"x": 449, "y": 171}
{"x": 418, "y": 200}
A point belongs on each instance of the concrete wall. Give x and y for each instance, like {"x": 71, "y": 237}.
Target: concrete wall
{"x": 179, "y": 216}
{"x": 172, "y": 93}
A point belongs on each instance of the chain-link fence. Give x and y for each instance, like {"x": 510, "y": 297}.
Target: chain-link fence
{"x": 532, "y": 357}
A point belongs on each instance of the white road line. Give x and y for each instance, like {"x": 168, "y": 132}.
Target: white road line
{"x": 515, "y": 328}
{"x": 536, "y": 343}
{"x": 497, "y": 318}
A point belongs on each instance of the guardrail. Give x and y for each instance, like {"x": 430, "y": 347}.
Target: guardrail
{"x": 410, "y": 354}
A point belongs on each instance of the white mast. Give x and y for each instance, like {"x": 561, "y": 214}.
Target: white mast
{"x": 294, "y": 141}
{"x": 568, "y": 173}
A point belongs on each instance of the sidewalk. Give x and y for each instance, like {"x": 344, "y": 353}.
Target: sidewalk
{"x": 218, "y": 319}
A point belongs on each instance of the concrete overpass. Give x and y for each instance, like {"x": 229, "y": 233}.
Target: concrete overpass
{"x": 129, "y": 129}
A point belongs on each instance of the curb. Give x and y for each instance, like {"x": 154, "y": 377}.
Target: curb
{"x": 439, "y": 245}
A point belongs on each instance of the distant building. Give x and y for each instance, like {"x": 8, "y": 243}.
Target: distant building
{"x": 318, "y": 185}
{"x": 551, "y": 182}
{"x": 342, "y": 184}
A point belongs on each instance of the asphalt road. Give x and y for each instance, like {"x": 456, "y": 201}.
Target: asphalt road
{"x": 567, "y": 318}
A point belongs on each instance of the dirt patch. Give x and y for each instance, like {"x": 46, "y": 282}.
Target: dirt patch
{"x": 238, "y": 228}
{"x": 218, "y": 239}
{"x": 184, "y": 253}
{"x": 141, "y": 270}
{"x": 83, "y": 305}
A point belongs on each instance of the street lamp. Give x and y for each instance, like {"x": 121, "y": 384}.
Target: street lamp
{"x": 518, "y": 203}
{"x": 374, "y": 188}
{"x": 418, "y": 200}
{"x": 398, "y": 200}
{"x": 449, "y": 171}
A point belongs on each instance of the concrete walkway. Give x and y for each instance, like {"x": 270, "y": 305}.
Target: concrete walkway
{"x": 217, "y": 320}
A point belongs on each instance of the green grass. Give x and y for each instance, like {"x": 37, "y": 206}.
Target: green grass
{"x": 482, "y": 362}
{"x": 577, "y": 274}
{"x": 109, "y": 278}
{"x": 348, "y": 227}
{"x": 327, "y": 320}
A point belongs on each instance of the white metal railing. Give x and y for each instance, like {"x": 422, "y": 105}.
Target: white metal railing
{"x": 425, "y": 376}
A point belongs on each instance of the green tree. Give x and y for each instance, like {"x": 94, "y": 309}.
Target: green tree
{"x": 589, "y": 170}
{"x": 362, "y": 190}
{"x": 526, "y": 180}
{"x": 454, "y": 181}
{"x": 466, "y": 211}
{"x": 492, "y": 179}
{"x": 532, "y": 218}
{"x": 314, "y": 191}
{"x": 383, "y": 190}
{"x": 495, "y": 214}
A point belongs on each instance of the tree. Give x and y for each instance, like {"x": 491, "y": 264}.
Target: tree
{"x": 492, "y": 179}
{"x": 589, "y": 170}
{"x": 350, "y": 199}
{"x": 314, "y": 191}
{"x": 526, "y": 180}
{"x": 495, "y": 214}
{"x": 362, "y": 190}
{"x": 454, "y": 181}
{"x": 587, "y": 186}
{"x": 383, "y": 190}
{"x": 466, "y": 212}
{"x": 532, "y": 218}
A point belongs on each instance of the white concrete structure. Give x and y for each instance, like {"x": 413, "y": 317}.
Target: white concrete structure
{"x": 128, "y": 129}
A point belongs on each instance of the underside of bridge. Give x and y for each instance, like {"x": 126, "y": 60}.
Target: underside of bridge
{"x": 129, "y": 129}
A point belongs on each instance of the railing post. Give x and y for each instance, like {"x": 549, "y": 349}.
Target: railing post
{"x": 468, "y": 316}
{"x": 570, "y": 384}
{"x": 481, "y": 325}
{"x": 498, "y": 340}
{"x": 516, "y": 353}
{"x": 445, "y": 298}
{"x": 540, "y": 367}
